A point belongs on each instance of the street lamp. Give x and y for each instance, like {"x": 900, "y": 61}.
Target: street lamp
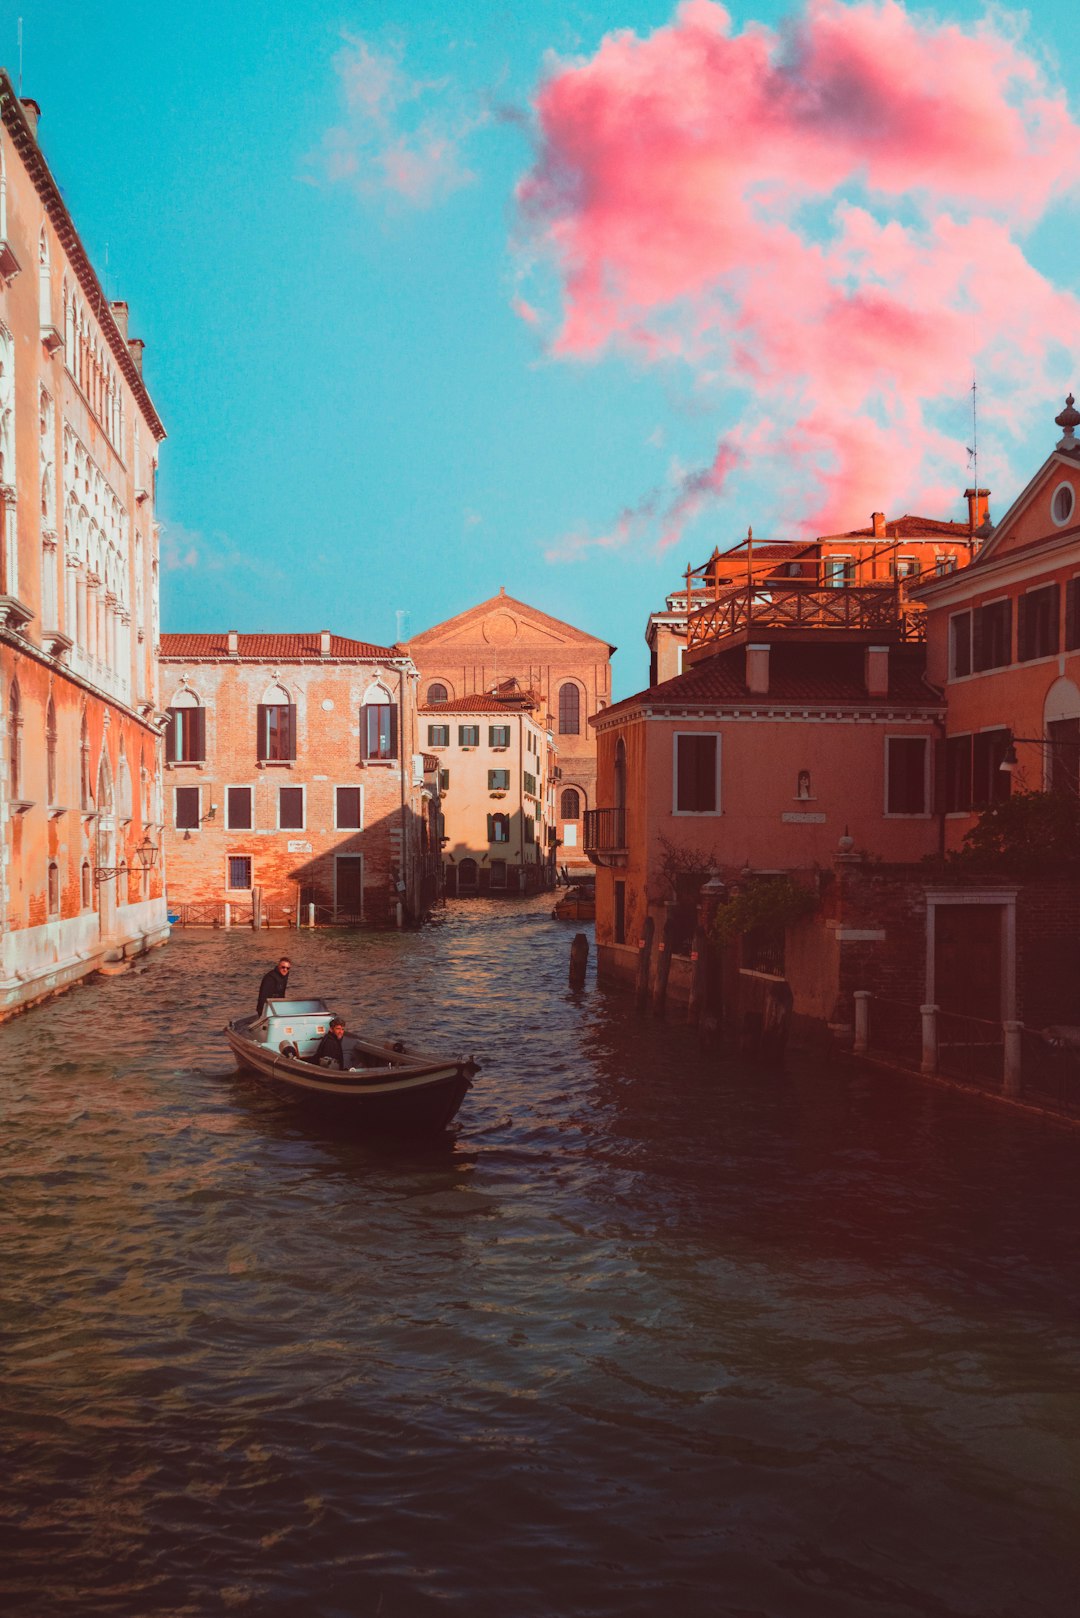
{"x": 146, "y": 854}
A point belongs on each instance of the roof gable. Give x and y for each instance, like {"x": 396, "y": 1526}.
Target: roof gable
{"x": 1029, "y": 519}
{"x": 504, "y": 621}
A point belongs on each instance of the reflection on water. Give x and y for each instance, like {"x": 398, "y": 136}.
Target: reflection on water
{"x": 652, "y": 1333}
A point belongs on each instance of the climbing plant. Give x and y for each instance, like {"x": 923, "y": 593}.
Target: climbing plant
{"x": 763, "y": 904}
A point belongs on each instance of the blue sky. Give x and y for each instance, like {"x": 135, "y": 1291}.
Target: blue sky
{"x": 359, "y": 421}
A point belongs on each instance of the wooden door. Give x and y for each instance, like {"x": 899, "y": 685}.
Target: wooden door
{"x": 967, "y": 960}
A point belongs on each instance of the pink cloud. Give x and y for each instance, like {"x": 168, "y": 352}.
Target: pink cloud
{"x": 826, "y": 216}
{"x": 399, "y": 136}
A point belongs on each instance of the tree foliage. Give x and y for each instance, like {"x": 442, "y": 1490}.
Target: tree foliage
{"x": 763, "y": 904}
{"x": 1027, "y": 834}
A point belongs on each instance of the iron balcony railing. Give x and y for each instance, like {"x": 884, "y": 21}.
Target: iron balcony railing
{"x": 807, "y": 606}
{"x": 605, "y": 831}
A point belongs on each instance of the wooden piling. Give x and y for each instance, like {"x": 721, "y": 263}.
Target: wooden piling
{"x": 641, "y": 988}
{"x": 663, "y": 966}
{"x": 699, "y": 979}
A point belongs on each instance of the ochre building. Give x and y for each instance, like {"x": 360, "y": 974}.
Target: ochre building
{"x": 80, "y": 792}
{"x": 570, "y": 671}
{"x": 294, "y": 780}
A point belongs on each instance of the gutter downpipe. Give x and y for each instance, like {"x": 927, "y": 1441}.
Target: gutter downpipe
{"x": 404, "y": 825}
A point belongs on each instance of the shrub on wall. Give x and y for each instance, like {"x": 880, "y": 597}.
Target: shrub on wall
{"x": 763, "y": 904}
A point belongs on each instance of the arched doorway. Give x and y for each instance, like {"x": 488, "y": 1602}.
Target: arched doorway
{"x": 106, "y": 846}
{"x": 467, "y": 876}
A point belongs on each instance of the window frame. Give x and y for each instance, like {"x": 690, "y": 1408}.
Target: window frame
{"x": 978, "y": 638}
{"x": 500, "y": 785}
{"x": 498, "y": 730}
{"x": 175, "y": 734}
{"x": 348, "y": 786}
{"x": 262, "y": 733}
{"x": 392, "y": 751}
{"x": 249, "y": 858}
{"x": 908, "y": 814}
{"x": 240, "y": 786}
{"x": 431, "y": 733}
{"x": 1029, "y": 621}
{"x": 461, "y": 731}
{"x": 1062, "y": 522}
{"x": 193, "y": 826}
{"x": 710, "y": 735}
{"x": 289, "y": 786}
{"x": 956, "y": 673}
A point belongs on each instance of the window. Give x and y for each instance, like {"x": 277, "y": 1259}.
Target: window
{"x": 1037, "y": 623}
{"x": 959, "y": 645}
{"x": 620, "y": 913}
{"x": 907, "y": 567}
{"x": 530, "y": 829}
{"x": 444, "y": 780}
{"x": 906, "y": 759}
{"x": 276, "y": 731}
{"x": 989, "y": 782}
{"x": 238, "y": 807}
{"x": 468, "y": 735}
{"x": 54, "y": 888}
{"x": 185, "y": 737}
{"x": 15, "y": 741}
{"x": 438, "y": 735}
{"x": 839, "y": 571}
{"x": 569, "y": 804}
{"x": 437, "y": 693}
{"x": 945, "y": 564}
{"x": 1063, "y": 763}
{"x": 86, "y": 886}
{"x": 530, "y": 783}
{"x": 290, "y": 808}
{"x": 239, "y": 872}
{"x": 957, "y": 773}
{"x": 498, "y": 735}
{"x": 569, "y": 710}
{"x": 86, "y": 796}
{"x": 1061, "y": 503}
{"x": 348, "y": 809}
{"x": 378, "y": 730}
{"x": 696, "y": 759}
{"x": 187, "y": 809}
{"x": 498, "y": 780}
{"x": 498, "y": 873}
{"x": 498, "y": 828}
{"x": 1072, "y": 615}
{"x": 991, "y": 636}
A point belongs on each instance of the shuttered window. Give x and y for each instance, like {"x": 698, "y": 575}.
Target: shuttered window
{"x": 276, "y": 733}
{"x": 1072, "y": 615}
{"x": 238, "y": 815}
{"x": 438, "y": 735}
{"x": 291, "y": 808}
{"x": 498, "y": 735}
{"x": 991, "y": 636}
{"x": 185, "y": 738}
{"x": 696, "y": 775}
{"x": 498, "y": 780}
{"x": 1037, "y": 623}
{"x": 187, "y": 808}
{"x": 348, "y": 814}
{"x": 378, "y": 730}
{"x": 959, "y": 644}
{"x": 468, "y": 735}
{"x": 498, "y": 828}
{"x": 957, "y": 773}
{"x": 989, "y": 782}
{"x": 906, "y": 761}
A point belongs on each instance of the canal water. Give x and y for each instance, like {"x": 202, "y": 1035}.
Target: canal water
{"x": 653, "y": 1333}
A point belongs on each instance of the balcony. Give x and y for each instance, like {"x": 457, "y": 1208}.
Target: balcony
{"x": 877, "y": 609}
{"x": 605, "y": 836}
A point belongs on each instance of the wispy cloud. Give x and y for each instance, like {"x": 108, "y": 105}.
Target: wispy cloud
{"x": 399, "y": 137}
{"x": 826, "y": 221}
{"x": 662, "y": 514}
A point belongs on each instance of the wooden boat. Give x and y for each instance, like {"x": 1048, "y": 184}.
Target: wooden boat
{"x": 578, "y": 903}
{"x": 384, "y": 1086}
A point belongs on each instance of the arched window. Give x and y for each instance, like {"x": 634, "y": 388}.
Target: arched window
{"x": 498, "y": 828}
{"x": 185, "y": 738}
{"x": 86, "y": 886}
{"x": 15, "y": 780}
{"x": 104, "y": 785}
{"x": 54, "y": 888}
{"x": 438, "y": 693}
{"x": 50, "y": 750}
{"x": 570, "y": 804}
{"x": 44, "y": 282}
{"x": 276, "y": 727}
{"x": 466, "y": 875}
{"x": 85, "y": 792}
{"x": 123, "y": 784}
{"x": 378, "y": 724}
{"x": 569, "y": 710}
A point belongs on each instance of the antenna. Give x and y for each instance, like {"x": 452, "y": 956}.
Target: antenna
{"x": 20, "y": 58}
{"x": 973, "y": 449}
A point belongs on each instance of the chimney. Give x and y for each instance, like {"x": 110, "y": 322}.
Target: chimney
{"x": 120, "y": 315}
{"x": 233, "y": 642}
{"x": 877, "y": 671}
{"x": 31, "y": 112}
{"x": 324, "y": 642}
{"x": 978, "y": 507}
{"x": 878, "y": 520}
{"x": 757, "y": 670}
{"x": 136, "y": 346}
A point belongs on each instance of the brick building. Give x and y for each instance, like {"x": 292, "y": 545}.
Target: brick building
{"x": 568, "y": 669}
{"x": 80, "y": 809}
{"x": 294, "y": 773}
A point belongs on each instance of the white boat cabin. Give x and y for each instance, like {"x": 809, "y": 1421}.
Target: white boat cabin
{"x": 301, "y": 1023}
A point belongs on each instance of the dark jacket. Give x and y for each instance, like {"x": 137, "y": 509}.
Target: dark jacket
{"x": 330, "y": 1049}
{"x": 274, "y": 986}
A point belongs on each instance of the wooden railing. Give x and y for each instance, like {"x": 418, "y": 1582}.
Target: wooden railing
{"x": 605, "y": 831}
{"x": 807, "y": 606}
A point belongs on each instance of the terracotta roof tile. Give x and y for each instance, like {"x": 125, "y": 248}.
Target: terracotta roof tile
{"x": 909, "y": 527}
{"x": 266, "y": 648}
{"x": 484, "y": 702}
{"x": 813, "y": 675}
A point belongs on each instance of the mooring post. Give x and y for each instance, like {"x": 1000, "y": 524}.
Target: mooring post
{"x": 641, "y": 988}
{"x": 228, "y": 914}
{"x": 311, "y": 915}
{"x": 256, "y": 909}
{"x": 929, "y": 1039}
{"x": 862, "y": 1022}
{"x": 663, "y": 966}
{"x": 699, "y": 964}
{"x": 579, "y": 960}
{"x": 1011, "y": 1074}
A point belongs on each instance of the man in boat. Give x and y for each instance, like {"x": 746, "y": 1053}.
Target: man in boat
{"x": 275, "y": 984}
{"x": 331, "y": 1051}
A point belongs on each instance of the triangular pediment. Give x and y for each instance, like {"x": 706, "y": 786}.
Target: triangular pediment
{"x": 1043, "y": 511}
{"x": 500, "y": 621}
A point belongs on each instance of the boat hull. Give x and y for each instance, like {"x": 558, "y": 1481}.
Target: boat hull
{"x": 410, "y": 1093}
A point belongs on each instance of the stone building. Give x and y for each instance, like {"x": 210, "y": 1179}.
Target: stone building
{"x": 80, "y": 796}
{"x": 497, "y": 792}
{"x": 569, "y": 670}
{"x": 294, "y": 773}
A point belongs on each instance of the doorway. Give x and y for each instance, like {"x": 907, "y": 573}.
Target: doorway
{"x": 348, "y": 887}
